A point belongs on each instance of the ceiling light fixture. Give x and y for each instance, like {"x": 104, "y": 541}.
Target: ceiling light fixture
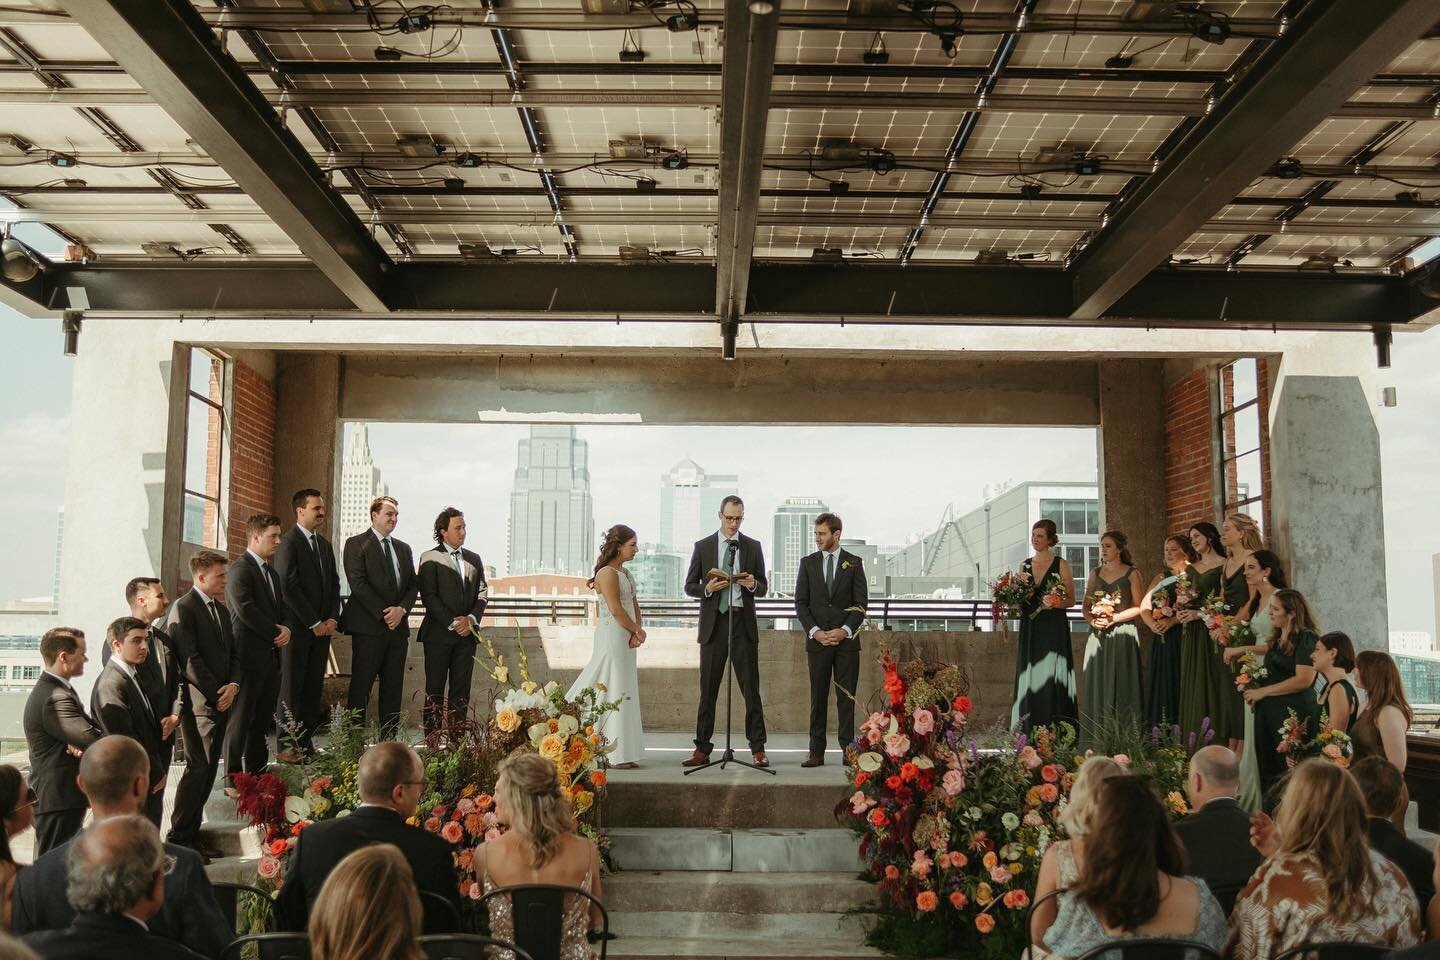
{"x": 19, "y": 262}
{"x": 761, "y": 8}
{"x": 1288, "y": 168}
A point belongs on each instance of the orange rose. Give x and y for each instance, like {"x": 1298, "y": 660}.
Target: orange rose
{"x": 1050, "y": 773}
{"x": 990, "y": 860}
{"x": 861, "y": 778}
{"x": 277, "y": 847}
{"x": 1017, "y": 899}
{"x": 433, "y": 824}
{"x": 484, "y": 802}
{"x": 984, "y": 923}
{"x": 597, "y": 779}
{"x": 958, "y": 900}
{"x": 1049, "y": 793}
{"x": 927, "y": 901}
{"x": 878, "y": 817}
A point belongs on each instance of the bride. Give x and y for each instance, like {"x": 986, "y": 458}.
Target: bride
{"x": 612, "y": 660}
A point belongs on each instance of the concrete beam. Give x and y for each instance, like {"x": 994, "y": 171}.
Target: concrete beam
{"x": 307, "y": 441}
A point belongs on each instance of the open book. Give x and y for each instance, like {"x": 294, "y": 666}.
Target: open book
{"x": 717, "y": 574}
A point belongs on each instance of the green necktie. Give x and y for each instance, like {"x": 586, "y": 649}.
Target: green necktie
{"x": 729, "y": 567}
{"x": 829, "y": 571}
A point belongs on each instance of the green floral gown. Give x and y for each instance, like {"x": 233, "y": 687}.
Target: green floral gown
{"x": 1044, "y": 664}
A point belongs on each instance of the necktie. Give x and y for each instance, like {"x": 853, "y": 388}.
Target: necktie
{"x": 728, "y": 565}
{"x": 390, "y": 563}
{"x": 135, "y": 682}
{"x": 315, "y": 549}
{"x": 829, "y": 571}
{"x": 269, "y": 572}
{"x": 455, "y": 558}
{"x": 214, "y": 616}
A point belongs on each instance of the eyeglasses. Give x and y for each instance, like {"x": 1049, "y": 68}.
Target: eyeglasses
{"x": 422, "y": 784}
{"x": 29, "y": 801}
{"x": 168, "y": 863}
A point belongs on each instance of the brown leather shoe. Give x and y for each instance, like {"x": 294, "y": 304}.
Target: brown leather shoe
{"x": 760, "y": 759}
{"x": 814, "y": 760}
{"x": 696, "y": 759}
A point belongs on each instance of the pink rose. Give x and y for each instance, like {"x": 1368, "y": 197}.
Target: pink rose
{"x": 1121, "y": 759}
{"x": 269, "y": 868}
{"x": 477, "y": 890}
{"x": 491, "y": 820}
{"x": 921, "y": 866}
{"x": 1001, "y": 874}
{"x": 872, "y": 736}
{"x": 897, "y": 744}
{"x": 924, "y": 721}
{"x": 859, "y": 803}
{"x": 492, "y": 834}
{"x": 1029, "y": 758}
{"x": 452, "y": 832}
{"x": 943, "y": 860}
{"x": 465, "y": 807}
{"x": 1033, "y": 819}
{"x": 953, "y": 783}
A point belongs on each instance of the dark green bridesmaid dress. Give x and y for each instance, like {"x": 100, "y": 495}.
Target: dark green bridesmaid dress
{"x": 1204, "y": 678}
{"x": 1162, "y": 681}
{"x": 1044, "y": 665}
{"x": 1271, "y": 713}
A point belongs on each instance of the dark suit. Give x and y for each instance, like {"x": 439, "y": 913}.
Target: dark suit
{"x": 449, "y": 656}
{"x": 158, "y": 676}
{"x": 1216, "y": 839}
{"x": 120, "y": 706}
{"x": 324, "y": 844}
{"x": 257, "y": 604}
{"x": 1414, "y": 860}
{"x": 376, "y": 650}
{"x": 209, "y": 660}
{"x": 53, "y": 721}
{"x": 108, "y": 935}
{"x": 312, "y": 596}
{"x": 189, "y": 915}
{"x": 822, "y": 608}
{"x": 750, "y": 558}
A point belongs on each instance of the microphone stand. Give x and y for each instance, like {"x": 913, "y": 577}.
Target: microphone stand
{"x": 729, "y": 755}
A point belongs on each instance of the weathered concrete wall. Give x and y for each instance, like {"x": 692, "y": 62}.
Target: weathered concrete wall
{"x": 1329, "y": 516}
{"x": 648, "y": 388}
{"x": 1131, "y": 454}
{"x": 307, "y": 448}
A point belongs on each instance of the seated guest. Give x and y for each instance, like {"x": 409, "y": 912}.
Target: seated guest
{"x": 541, "y": 846}
{"x": 391, "y": 780}
{"x": 368, "y": 909}
{"x": 1060, "y": 867}
{"x": 116, "y": 885}
{"x": 12, "y": 949}
{"x": 1382, "y": 786}
{"x": 1320, "y": 882}
{"x": 115, "y": 778}
{"x": 1216, "y": 837}
{"x": 1132, "y": 883}
{"x": 17, "y": 801}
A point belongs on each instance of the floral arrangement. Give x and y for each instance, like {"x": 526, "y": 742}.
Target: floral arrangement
{"x": 1103, "y": 606}
{"x": 1212, "y": 614}
{"x": 1053, "y": 597}
{"x": 1294, "y": 737}
{"x": 1239, "y": 633}
{"x": 1010, "y": 592}
{"x": 1333, "y": 746}
{"x": 1251, "y": 669}
{"x": 952, "y": 825}
{"x": 1185, "y": 595}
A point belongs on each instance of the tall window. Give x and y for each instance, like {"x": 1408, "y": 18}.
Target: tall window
{"x": 1240, "y": 464}
{"x": 207, "y": 451}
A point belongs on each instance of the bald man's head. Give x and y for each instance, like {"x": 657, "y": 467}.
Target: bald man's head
{"x": 1214, "y": 773}
{"x": 109, "y": 772}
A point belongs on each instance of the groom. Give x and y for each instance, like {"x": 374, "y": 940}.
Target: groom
{"x": 830, "y": 599}
{"x": 741, "y": 556}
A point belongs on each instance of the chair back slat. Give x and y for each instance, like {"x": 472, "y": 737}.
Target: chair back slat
{"x": 1336, "y": 951}
{"x": 438, "y": 914}
{"x": 1150, "y": 948}
{"x": 467, "y": 946}
{"x": 270, "y": 946}
{"x": 539, "y": 916}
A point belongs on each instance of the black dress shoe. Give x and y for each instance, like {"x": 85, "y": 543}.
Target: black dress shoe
{"x": 814, "y": 760}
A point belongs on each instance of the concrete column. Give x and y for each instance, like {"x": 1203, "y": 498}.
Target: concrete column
{"x": 307, "y": 431}
{"x": 1131, "y": 456}
{"x": 1329, "y": 518}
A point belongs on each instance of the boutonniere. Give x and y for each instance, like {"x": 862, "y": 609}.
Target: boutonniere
{"x": 845, "y": 565}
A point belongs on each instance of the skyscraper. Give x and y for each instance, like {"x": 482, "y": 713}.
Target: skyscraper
{"x": 794, "y": 538}
{"x": 359, "y": 483}
{"x": 552, "y": 529}
{"x": 690, "y": 504}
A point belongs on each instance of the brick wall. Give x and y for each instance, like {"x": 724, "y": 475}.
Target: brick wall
{"x": 252, "y": 452}
{"x": 1262, "y": 383}
{"x": 1189, "y": 459}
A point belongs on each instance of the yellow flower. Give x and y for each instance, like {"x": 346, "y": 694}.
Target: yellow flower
{"x": 529, "y": 686}
{"x": 552, "y": 747}
{"x": 507, "y": 720}
{"x": 582, "y": 800}
{"x": 1177, "y": 801}
{"x": 1015, "y": 869}
{"x": 469, "y": 791}
{"x": 566, "y": 763}
{"x": 414, "y": 821}
{"x": 983, "y": 895}
{"x": 319, "y": 806}
{"x": 502, "y": 674}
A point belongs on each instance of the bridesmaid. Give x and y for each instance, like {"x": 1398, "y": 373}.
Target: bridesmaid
{"x": 1379, "y": 730}
{"x": 1289, "y": 684}
{"x": 1240, "y": 536}
{"x": 1045, "y": 666}
{"x": 1110, "y": 671}
{"x": 1206, "y": 687}
{"x": 1162, "y": 687}
{"x": 1265, "y": 575}
{"x": 1334, "y": 658}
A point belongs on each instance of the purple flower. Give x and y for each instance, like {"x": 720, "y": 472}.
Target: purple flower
{"x": 1021, "y": 740}
{"x": 974, "y": 753}
{"x": 1191, "y": 742}
{"x": 1155, "y": 737}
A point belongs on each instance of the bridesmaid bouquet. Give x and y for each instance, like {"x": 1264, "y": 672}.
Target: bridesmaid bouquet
{"x": 1184, "y": 593}
{"x": 1051, "y": 598}
{"x": 1212, "y": 612}
{"x": 1103, "y": 606}
{"x": 1239, "y": 633}
{"x": 1333, "y": 745}
{"x": 1010, "y": 593}
{"x": 1330, "y": 745}
{"x": 1294, "y": 738}
{"x": 1252, "y": 668}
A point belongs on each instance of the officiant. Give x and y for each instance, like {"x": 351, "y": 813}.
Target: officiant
{"x": 727, "y": 572}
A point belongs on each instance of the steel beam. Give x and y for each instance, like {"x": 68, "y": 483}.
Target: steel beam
{"x": 1327, "y": 53}
{"x": 166, "y": 47}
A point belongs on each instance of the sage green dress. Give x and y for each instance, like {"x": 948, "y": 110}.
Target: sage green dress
{"x": 1110, "y": 670}
{"x": 1204, "y": 677}
{"x": 1251, "y": 797}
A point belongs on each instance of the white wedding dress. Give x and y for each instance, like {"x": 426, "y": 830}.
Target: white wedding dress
{"x": 612, "y": 663}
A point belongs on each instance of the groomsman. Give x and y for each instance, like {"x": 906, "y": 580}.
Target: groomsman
{"x": 452, "y": 584}
{"x": 830, "y": 599}
{"x": 381, "y": 573}
{"x": 743, "y": 558}
{"x": 57, "y": 732}
{"x": 257, "y": 605}
{"x": 160, "y": 673}
{"x": 120, "y": 706}
{"x": 205, "y": 646}
{"x": 311, "y": 585}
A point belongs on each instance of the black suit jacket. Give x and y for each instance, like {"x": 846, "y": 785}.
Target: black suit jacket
{"x": 312, "y": 590}
{"x": 322, "y": 845}
{"x": 446, "y": 597}
{"x": 1217, "y": 839}
{"x": 208, "y": 658}
{"x": 706, "y": 557}
{"x": 107, "y": 935}
{"x": 828, "y": 610}
{"x": 373, "y": 587}
{"x": 256, "y": 614}
{"x": 158, "y": 676}
{"x": 118, "y": 707}
{"x": 54, "y": 720}
{"x": 189, "y": 916}
{"x": 1414, "y": 860}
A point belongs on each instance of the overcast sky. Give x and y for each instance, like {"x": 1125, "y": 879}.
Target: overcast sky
{"x": 886, "y": 483}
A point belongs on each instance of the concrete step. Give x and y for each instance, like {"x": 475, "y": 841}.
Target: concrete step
{"x": 761, "y": 803}
{"x": 741, "y": 851}
{"x": 750, "y": 948}
{"x": 232, "y": 870}
{"x": 753, "y": 894}
{"x": 233, "y": 838}
{"x": 798, "y": 927}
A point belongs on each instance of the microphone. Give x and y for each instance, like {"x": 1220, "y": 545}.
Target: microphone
{"x": 730, "y": 554}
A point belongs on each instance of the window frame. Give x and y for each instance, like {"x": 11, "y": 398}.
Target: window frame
{"x": 219, "y": 536}
{"x": 1225, "y": 419}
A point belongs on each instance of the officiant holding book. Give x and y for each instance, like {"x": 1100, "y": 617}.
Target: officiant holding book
{"x": 727, "y": 571}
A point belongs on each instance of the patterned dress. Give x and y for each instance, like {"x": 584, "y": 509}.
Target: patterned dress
{"x": 1285, "y": 905}
{"x": 574, "y": 926}
{"x": 1077, "y": 930}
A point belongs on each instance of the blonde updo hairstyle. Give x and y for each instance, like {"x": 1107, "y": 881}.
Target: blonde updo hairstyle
{"x": 539, "y": 808}
{"x": 1079, "y": 812}
{"x": 1250, "y": 538}
{"x": 615, "y": 538}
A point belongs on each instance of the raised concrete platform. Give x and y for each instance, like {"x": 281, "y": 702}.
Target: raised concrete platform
{"x": 739, "y": 851}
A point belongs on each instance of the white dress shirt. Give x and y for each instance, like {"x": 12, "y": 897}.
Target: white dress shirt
{"x": 823, "y": 554}
{"x": 394, "y": 554}
{"x": 737, "y": 595}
